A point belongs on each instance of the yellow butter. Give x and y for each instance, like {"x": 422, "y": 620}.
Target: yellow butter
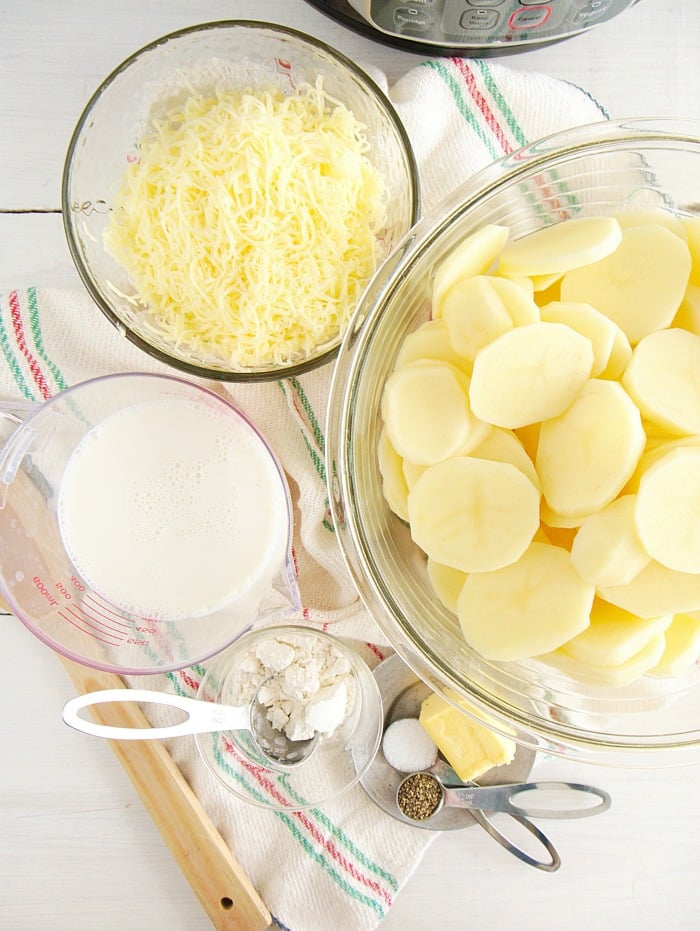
{"x": 469, "y": 747}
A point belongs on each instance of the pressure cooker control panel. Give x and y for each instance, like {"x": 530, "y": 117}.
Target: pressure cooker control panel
{"x": 485, "y": 23}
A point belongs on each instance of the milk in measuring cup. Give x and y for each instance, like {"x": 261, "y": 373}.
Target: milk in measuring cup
{"x": 171, "y": 509}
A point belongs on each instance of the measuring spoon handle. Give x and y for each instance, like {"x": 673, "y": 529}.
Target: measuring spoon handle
{"x": 202, "y": 716}
{"x": 533, "y": 799}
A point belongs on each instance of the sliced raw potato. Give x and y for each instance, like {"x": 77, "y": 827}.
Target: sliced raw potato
{"x": 614, "y": 636}
{"x": 682, "y": 647}
{"x": 545, "y": 295}
{"x": 426, "y": 410}
{"x": 691, "y": 225}
{"x": 663, "y": 379}
{"x": 559, "y": 536}
{"x": 446, "y": 582}
{"x": 475, "y": 315}
{"x": 394, "y": 487}
{"x": 430, "y": 341}
{"x": 473, "y": 256}
{"x": 586, "y": 455}
{"x": 667, "y": 511}
{"x": 529, "y": 374}
{"x": 525, "y": 284}
{"x": 474, "y": 515}
{"x": 657, "y": 447}
{"x": 589, "y": 322}
{"x": 559, "y": 521}
{"x": 656, "y": 590}
{"x": 640, "y": 285}
{"x": 620, "y": 355}
{"x": 611, "y": 676}
{"x": 606, "y": 549}
{"x": 517, "y": 299}
{"x": 529, "y": 436}
{"x": 642, "y": 217}
{"x": 504, "y": 446}
{"x": 412, "y": 472}
{"x": 563, "y": 246}
{"x": 688, "y": 316}
{"x": 529, "y": 607}
{"x": 542, "y": 284}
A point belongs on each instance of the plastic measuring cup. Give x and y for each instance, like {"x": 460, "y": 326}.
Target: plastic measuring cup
{"x": 66, "y": 607}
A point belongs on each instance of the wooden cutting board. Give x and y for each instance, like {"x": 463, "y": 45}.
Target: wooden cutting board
{"x": 226, "y": 893}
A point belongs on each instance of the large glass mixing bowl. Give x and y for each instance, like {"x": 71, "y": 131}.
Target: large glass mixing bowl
{"x": 600, "y": 169}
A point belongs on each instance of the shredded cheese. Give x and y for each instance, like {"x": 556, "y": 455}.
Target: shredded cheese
{"x": 249, "y": 223}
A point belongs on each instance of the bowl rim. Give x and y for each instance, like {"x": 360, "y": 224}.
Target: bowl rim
{"x": 242, "y": 375}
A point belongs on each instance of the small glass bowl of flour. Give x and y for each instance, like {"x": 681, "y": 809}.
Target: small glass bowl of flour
{"x": 311, "y": 683}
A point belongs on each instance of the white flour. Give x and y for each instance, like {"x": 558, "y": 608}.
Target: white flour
{"x": 309, "y": 683}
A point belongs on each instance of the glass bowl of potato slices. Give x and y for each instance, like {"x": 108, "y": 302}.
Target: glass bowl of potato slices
{"x": 514, "y": 444}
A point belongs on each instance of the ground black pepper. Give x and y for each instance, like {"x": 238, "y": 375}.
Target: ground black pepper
{"x": 419, "y": 796}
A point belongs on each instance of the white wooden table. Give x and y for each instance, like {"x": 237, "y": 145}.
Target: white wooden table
{"x": 77, "y": 850}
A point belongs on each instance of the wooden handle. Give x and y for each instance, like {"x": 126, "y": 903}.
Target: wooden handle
{"x": 226, "y": 893}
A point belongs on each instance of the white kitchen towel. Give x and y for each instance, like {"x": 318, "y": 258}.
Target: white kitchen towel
{"x": 343, "y": 865}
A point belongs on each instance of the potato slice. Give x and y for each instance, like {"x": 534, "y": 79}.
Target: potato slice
{"x": 473, "y": 514}
{"x": 446, "y": 582}
{"x": 656, "y": 590}
{"x": 530, "y": 607}
{"x": 607, "y": 549}
{"x": 523, "y": 282}
{"x": 426, "y": 410}
{"x": 614, "y": 635}
{"x": 682, "y": 647}
{"x": 611, "y": 676}
{"x": 475, "y": 315}
{"x": 473, "y": 256}
{"x": 642, "y": 217}
{"x": 430, "y": 341}
{"x": 691, "y": 225}
{"x": 518, "y": 299}
{"x": 620, "y": 355}
{"x": 412, "y": 472}
{"x": 563, "y": 246}
{"x": 504, "y": 446}
{"x": 529, "y": 374}
{"x": 589, "y": 322}
{"x": 656, "y": 448}
{"x": 663, "y": 379}
{"x": 586, "y": 455}
{"x": 688, "y": 316}
{"x": 558, "y": 536}
{"x": 667, "y": 511}
{"x": 394, "y": 487}
{"x": 640, "y": 285}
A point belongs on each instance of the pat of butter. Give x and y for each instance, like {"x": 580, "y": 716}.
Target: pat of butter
{"x": 469, "y": 747}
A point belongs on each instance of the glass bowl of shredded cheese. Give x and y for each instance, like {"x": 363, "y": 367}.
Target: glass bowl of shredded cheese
{"x": 568, "y": 611}
{"x": 228, "y": 192}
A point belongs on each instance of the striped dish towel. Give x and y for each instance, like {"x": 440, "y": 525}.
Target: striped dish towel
{"x": 341, "y": 866}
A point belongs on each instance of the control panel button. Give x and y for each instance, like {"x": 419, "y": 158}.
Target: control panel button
{"x": 485, "y": 3}
{"x": 530, "y": 17}
{"x": 408, "y": 17}
{"x": 478, "y": 19}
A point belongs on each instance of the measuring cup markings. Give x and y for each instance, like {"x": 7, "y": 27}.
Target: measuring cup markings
{"x": 114, "y": 641}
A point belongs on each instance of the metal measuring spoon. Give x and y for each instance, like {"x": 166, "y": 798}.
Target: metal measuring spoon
{"x": 202, "y": 717}
{"x": 421, "y": 796}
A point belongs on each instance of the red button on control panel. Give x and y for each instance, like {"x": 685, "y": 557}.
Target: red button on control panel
{"x": 530, "y": 17}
